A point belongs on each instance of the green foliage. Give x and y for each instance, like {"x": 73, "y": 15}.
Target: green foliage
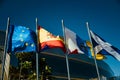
{"x": 26, "y": 65}
{"x": 27, "y": 68}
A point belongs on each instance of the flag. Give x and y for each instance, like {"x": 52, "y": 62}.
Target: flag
{"x": 99, "y": 56}
{"x": 21, "y": 39}
{"x": 48, "y": 40}
{"x": 74, "y": 43}
{"x": 103, "y": 47}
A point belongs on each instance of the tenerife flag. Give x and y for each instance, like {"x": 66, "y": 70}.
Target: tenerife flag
{"x": 48, "y": 40}
{"x": 74, "y": 43}
{"x": 103, "y": 47}
{"x": 21, "y": 39}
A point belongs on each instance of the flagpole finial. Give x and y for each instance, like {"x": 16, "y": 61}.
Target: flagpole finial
{"x": 8, "y": 21}
{"x": 36, "y": 19}
{"x": 62, "y": 20}
{"x": 8, "y": 18}
{"x": 87, "y": 23}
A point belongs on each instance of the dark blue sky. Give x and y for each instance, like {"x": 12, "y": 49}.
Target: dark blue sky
{"x": 103, "y": 17}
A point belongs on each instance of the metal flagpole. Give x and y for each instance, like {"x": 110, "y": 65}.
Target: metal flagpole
{"x": 37, "y": 70}
{"x": 66, "y": 55}
{"x": 20, "y": 69}
{"x": 67, "y": 63}
{"x": 5, "y": 50}
{"x": 93, "y": 51}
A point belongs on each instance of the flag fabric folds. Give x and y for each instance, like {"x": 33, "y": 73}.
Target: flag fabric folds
{"x": 103, "y": 47}
{"x": 48, "y": 40}
{"x": 99, "y": 56}
{"x": 74, "y": 43}
{"x": 21, "y": 39}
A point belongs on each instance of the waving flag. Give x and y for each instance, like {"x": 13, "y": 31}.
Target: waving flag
{"x": 47, "y": 40}
{"x": 75, "y": 44}
{"x": 21, "y": 39}
{"x": 99, "y": 56}
{"x": 103, "y": 47}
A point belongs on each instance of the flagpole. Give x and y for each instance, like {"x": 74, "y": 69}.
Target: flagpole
{"x": 66, "y": 55}
{"x": 93, "y": 51}
{"x": 5, "y": 50}
{"x": 37, "y": 70}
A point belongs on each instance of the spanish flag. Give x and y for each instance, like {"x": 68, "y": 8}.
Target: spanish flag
{"x": 48, "y": 40}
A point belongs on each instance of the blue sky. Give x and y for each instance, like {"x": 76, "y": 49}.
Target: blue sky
{"x": 103, "y": 17}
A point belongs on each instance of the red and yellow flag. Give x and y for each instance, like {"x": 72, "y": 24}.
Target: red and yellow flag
{"x": 48, "y": 40}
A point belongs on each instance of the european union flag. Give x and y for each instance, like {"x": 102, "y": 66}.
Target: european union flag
{"x": 21, "y": 39}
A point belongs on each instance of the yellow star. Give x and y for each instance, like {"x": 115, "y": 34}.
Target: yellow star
{"x": 26, "y": 44}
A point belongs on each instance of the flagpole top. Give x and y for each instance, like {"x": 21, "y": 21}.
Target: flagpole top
{"x": 36, "y": 19}
{"x": 62, "y": 20}
{"x": 8, "y": 18}
{"x": 86, "y": 23}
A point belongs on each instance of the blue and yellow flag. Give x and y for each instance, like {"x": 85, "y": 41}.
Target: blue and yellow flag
{"x": 21, "y": 39}
{"x": 99, "y": 56}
